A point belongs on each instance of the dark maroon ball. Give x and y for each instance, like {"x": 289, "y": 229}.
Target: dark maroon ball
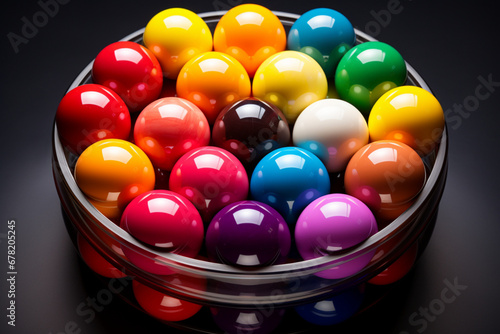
{"x": 251, "y": 128}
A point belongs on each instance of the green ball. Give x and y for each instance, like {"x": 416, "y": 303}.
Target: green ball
{"x": 367, "y": 71}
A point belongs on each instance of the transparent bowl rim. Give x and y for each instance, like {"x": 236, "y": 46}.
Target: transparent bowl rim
{"x": 221, "y": 271}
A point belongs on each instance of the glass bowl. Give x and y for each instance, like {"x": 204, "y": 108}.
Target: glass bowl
{"x": 227, "y": 290}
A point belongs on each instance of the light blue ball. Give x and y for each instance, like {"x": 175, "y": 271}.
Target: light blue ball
{"x": 288, "y": 179}
{"x": 324, "y": 34}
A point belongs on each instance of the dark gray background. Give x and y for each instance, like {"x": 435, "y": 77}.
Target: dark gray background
{"x": 451, "y": 44}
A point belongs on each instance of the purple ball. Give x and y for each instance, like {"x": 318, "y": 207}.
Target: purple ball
{"x": 333, "y": 223}
{"x": 252, "y": 321}
{"x": 248, "y": 234}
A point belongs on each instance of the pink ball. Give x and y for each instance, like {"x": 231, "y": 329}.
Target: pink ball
{"x": 163, "y": 219}
{"x": 334, "y": 223}
{"x": 168, "y": 128}
{"x": 211, "y": 178}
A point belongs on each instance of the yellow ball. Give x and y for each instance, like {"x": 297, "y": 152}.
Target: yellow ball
{"x": 408, "y": 114}
{"x": 290, "y": 80}
{"x": 175, "y": 36}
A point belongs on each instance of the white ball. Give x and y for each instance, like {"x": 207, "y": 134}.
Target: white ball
{"x": 333, "y": 130}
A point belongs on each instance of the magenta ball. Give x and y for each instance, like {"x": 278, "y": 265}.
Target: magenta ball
{"x": 163, "y": 219}
{"x": 248, "y": 234}
{"x": 211, "y": 178}
{"x": 334, "y": 223}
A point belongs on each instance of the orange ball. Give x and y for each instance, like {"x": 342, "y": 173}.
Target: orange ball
{"x": 111, "y": 173}
{"x": 387, "y": 176}
{"x": 250, "y": 33}
{"x": 212, "y": 81}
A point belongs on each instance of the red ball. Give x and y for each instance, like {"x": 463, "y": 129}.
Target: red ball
{"x": 399, "y": 268}
{"x": 89, "y": 113}
{"x": 162, "y": 219}
{"x": 168, "y": 128}
{"x": 165, "y": 307}
{"x": 211, "y": 178}
{"x": 95, "y": 260}
{"x": 131, "y": 70}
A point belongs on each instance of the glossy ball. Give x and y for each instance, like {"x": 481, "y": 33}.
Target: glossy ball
{"x": 334, "y": 223}
{"x": 211, "y": 178}
{"x": 333, "y": 310}
{"x": 89, "y": 113}
{"x": 95, "y": 260}
{"x": 254, "y": 321}
{"x": 176, "y": 35}
{"x": 324, "y": 34}
{"x": 410, "y": 115}
{"x": 130, "y": 70}
{"x": 164, "y": 219}
{"x": 162, "y": 306}
{"x": 212, "y": 81}
{"x": 367, "y": 71}
{"x": 290, "y": 80}
{"x": 168, "y": 128}
{"x": 111, "y": 173}
{"x": 387, "y": 176}
{"x": 333, "y": 130}
{"x": 248, "y": 234}
{"x": 399, "y": 268}
{"x": 237, "y": 30}
{"x": 288, "y": 179}
{"x": 250, "y": 129}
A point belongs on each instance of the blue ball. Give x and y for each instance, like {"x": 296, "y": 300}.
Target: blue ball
{"x": 288, "y": 179}
{"x": 333, "y": 310}
{"x": 324, "y": 34}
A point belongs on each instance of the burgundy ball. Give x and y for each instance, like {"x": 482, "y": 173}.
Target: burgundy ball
{"x": 248, "y": 234}
{"x": 251, "y": 128}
